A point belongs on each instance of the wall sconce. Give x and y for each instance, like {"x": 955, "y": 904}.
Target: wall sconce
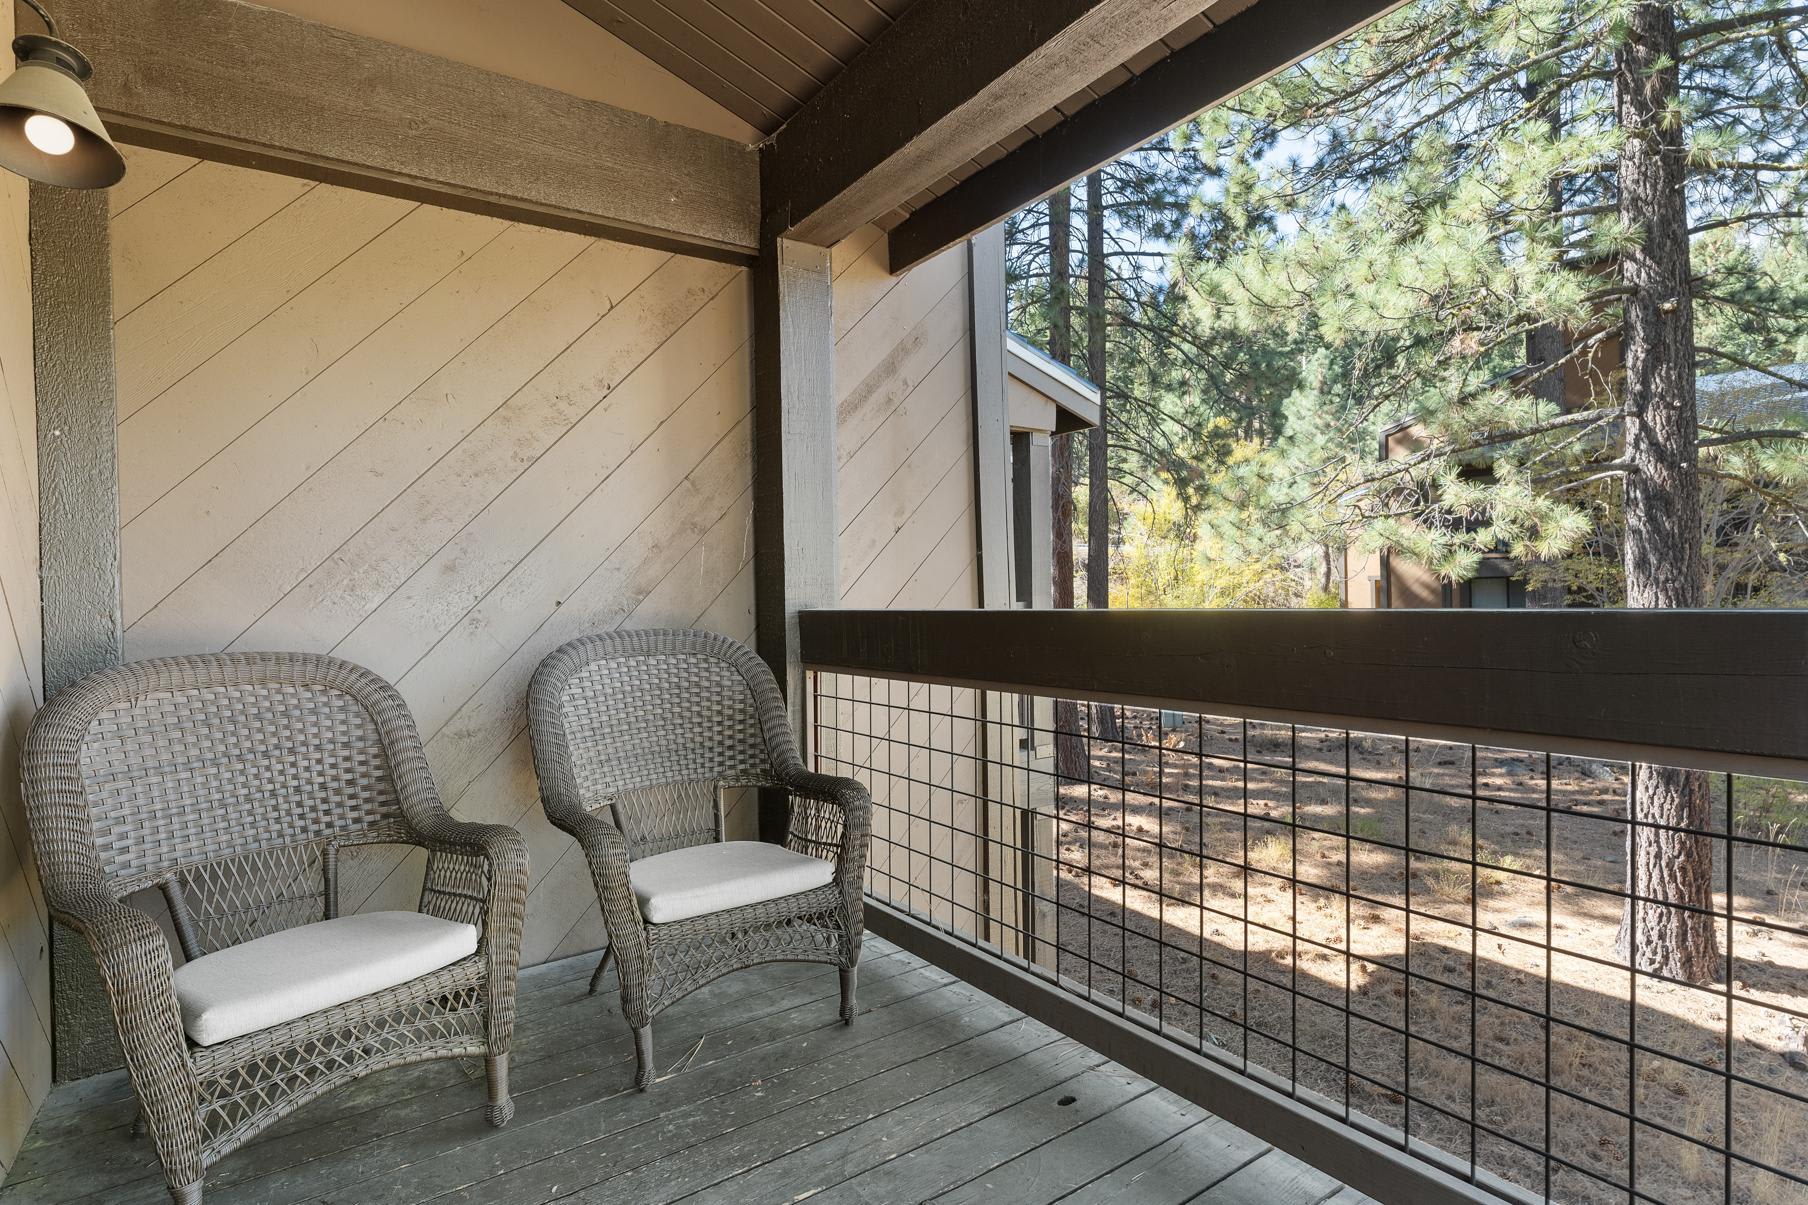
{"x": 48, "y": 128}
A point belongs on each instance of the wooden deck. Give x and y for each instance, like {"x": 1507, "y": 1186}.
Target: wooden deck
{"x": 936, "y": 1091}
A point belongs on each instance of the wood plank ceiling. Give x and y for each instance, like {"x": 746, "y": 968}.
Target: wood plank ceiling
{"x": 763, "y": 59}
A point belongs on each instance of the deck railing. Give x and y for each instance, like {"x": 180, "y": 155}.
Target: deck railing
{"x": 1360, "y": 883}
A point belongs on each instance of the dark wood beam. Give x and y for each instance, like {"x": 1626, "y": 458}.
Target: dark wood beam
{"x": 945, "y": 81}
{"x": 794, "y": 529}
{"x": 1718, "y": 690}
{"x": 253, "y": 86}
{"x": 1263, "y": 39}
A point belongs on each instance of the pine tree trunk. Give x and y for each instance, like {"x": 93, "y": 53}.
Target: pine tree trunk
{"x": 1098, "y": 493}
{"x": 1662, "y": 556}
{"x": 1070, "y": 751}
{"x": 1098, "y": 468}
{"x": 1547, "y": 344}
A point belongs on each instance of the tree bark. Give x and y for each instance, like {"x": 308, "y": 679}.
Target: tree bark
{"x": 1548, "y": 343}
{"x": 1098, "y": 492}
{"x": 1672, "y": 934}
{"x": 1070, "y": 752}
{"x": 1098, "y": 468}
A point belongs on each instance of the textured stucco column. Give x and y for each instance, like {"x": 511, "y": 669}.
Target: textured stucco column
{"x": 78, "y": 530}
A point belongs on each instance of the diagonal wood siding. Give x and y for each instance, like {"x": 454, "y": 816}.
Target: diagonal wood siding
{"x": 435, "y": 443}
{"x": 906, "y": 521}
{"x": 904, "y": 430}
{"x": 441, "y": 444}
{"x": 24, "y": 924}
{"x": 906, "y": 506}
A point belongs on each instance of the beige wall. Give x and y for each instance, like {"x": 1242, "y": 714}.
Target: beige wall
{"x": 904, "y": 491}
{"x": 434, "y": 443}
{"x": 443, "y": 444}
{"x": 440, "y": 445}
{"x": 24, "y": 960}
{"x": 544, "y": 42}
{"x": 905, "y": 497}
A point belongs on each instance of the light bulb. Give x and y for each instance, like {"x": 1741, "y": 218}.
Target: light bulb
{"x": 51, "y": 135}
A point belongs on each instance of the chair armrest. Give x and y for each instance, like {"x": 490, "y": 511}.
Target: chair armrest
{"x": 856, "y": 806}
{"x": 505, "y": 852}
{"x": 606, "y": 852}
{"x": 134, "y": 961}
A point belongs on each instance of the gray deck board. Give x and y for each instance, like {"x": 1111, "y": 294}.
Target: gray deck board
{"x": 1274, "y": 1179}
{"x": 1175, "y": 1171}
{"x": 937, "y": 1091}
{"x": 1117, "y": 1136}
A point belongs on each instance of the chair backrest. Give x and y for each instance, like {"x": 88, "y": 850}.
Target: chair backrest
{"x": 227, "y": 779}
{"x": 653, "y": 723}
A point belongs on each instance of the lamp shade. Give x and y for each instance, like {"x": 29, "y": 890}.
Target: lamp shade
{"x": 49, "y": 130}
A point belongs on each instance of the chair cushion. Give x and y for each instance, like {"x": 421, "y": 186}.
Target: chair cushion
{"x": 269, "y": 980}
{"x": 713, "y": 878}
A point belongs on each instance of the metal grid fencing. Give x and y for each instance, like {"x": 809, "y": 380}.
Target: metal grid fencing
{"x": 1420, "y": 939}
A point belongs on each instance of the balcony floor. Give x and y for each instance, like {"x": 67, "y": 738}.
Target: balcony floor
{"x": 936, "y": 1091}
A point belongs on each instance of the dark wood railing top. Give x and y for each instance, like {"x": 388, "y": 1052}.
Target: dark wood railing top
{"x": 1722, "y": 690}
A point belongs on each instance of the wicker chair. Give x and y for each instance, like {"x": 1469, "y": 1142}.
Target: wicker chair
{"x": 635, "y": 735}
{"x": 231, "y": 783}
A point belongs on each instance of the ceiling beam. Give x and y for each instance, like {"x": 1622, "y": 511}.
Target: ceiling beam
{"x": 234, "y": 82}
{"x": 1264, "y": 39}
{"x": 945, "y": 81}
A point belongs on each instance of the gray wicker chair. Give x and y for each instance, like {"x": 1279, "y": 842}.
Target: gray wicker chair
{"x": 231, "y": 783}
{"x": 635, "y": 734}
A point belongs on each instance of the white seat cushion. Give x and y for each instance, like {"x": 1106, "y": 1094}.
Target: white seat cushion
{"x": 269, "y": 980}
{"x": 713, "y": 878}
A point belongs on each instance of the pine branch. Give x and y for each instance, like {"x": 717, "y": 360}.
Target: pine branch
{"x": 1489, "y": 440}
{"x": 1740, "y": 437}
{"x": 1770, "y": 215}
{"x": 1730, "y": 358}
{"x": 1770, "y": 16}
{"x": 1617, "y": 469}
{"x": 1752, "y": 165}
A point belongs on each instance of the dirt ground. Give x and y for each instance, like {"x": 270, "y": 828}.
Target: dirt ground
{"x": 1165, "y": 877}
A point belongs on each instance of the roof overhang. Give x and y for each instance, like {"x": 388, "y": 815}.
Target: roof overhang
{"x": 936, "y": 119}
{"x": 1070, "y": 400}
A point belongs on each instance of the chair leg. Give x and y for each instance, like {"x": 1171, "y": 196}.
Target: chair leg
{"x": 643, "y": 1056}
{"x": 501, "y": 1107}
{"x": 849, "y": 975}
{"x": 188, "y": 1194}
{"x": 596, "y": 980}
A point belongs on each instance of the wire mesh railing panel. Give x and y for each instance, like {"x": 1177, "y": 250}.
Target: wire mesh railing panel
{"x": 1557, "y": 977}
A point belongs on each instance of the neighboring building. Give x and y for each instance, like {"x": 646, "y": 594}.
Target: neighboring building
{"x": 1044, "y": 398}
{"x": 1750, "y": 397}
{"x": 1383, "y": 581}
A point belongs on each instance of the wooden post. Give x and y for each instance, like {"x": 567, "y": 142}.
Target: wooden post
{"x": 993, "y": 538}
{"x": 78, "y": 530}
{"x": 794, "y": 465}
{"x": 991, "y": 424}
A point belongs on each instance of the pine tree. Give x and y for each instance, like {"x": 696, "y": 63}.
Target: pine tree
{"x": 1483, "y": 199}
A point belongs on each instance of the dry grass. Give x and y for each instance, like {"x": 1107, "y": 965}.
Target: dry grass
{"x": 1285, "y": 990}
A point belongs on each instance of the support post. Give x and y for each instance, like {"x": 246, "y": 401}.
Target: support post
{"x": 78, "y": 530}
{"x": 991, "y": 423}
{"x": 993, "y": 541}
{"x": 794, "y": 466}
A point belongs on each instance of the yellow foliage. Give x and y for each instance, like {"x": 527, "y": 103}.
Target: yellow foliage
{"x": 1162, "y": 560}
